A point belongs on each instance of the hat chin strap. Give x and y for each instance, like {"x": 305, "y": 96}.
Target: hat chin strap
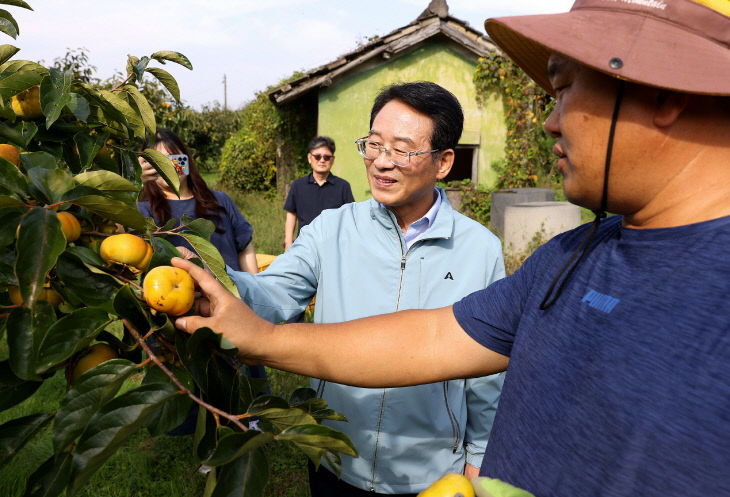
{"x": 554, "y": 293}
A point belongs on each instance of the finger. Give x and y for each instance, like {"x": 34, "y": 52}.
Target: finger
{"x": 186, "y": 253}
{"x": 202, "y": 307}
{"x": 190, "y": 324}
{"x": 207, "y": 283}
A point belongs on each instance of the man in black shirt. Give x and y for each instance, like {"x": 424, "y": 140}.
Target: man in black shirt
{"x": 317, "y": 191}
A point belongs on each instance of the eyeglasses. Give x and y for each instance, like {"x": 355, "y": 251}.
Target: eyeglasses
{"x": 372, "y": 151}
{"x": 319, "y": 157}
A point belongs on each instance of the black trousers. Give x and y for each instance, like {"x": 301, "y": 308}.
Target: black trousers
{"x": 324, "y": 483}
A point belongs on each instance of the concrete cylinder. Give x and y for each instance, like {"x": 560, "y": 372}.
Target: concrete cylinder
{"x": 530, "y": 221}
{"x": 502, "y": 198}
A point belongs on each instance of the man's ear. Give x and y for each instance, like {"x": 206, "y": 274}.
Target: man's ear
{"x": 670, "y": 105}
{"x": 444, "y": 162}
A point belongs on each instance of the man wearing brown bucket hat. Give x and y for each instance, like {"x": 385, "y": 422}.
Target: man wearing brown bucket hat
{"x": 616, "y": 335}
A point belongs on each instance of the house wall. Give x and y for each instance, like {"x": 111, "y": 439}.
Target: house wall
{"x": 344, "y": 109}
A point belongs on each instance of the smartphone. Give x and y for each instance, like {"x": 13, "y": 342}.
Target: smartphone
{"x": 181, "y": 163}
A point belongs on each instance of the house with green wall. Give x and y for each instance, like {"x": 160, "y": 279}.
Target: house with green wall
{"x": 434, "y": 47}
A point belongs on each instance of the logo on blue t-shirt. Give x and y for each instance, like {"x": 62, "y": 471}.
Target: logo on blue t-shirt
{"x": 604, "y": 303}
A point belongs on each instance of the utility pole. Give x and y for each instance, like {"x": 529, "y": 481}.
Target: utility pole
{"x": 225, "y": 93}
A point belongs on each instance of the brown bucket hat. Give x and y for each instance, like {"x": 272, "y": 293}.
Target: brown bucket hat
{"x": 681, "y": 45}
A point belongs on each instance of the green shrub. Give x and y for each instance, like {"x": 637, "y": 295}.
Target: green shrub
{"x": 528, "y": 160}
{"x": 249, "y": 156}
{"x": 205, "y": 131}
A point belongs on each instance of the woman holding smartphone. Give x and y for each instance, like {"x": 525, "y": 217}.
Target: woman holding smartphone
{"x": 233, "y": 234}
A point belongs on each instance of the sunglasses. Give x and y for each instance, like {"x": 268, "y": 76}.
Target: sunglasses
{"x": 319, "y": 157}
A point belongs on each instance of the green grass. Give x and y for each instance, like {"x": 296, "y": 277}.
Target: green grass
{"x": 264, "y": 212}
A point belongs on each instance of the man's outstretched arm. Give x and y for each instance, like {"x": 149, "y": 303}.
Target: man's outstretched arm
{"x": 403, "y": 348}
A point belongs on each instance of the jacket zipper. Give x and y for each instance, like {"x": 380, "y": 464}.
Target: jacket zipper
{"x": 455, "y": 430}
{"x": 382, "y": 398}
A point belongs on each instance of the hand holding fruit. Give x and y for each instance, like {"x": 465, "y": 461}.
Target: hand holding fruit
{"x": 224, "y": 313}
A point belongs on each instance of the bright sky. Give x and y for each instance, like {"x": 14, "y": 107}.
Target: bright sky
{"x": 255, "y": 43}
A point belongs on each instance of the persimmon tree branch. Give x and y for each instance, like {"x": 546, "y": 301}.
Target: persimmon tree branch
{"x": 214, "y": 410}
{"x": 121, "y": 85}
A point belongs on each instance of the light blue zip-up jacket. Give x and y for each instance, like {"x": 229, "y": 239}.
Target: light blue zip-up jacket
{"x": 356, "y": 261}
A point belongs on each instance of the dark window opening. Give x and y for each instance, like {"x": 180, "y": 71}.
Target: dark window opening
{"x": 464, "y": 164}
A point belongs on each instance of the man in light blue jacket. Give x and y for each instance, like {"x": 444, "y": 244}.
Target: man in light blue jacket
{"x": 405, "y": 248}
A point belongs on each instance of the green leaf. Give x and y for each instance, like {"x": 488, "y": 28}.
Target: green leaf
{"x": 103, "y": 111}
{"x": 164, "y": 251}
{"x": 302, "y": 395}
{"x": 113, "y": 425}
{"x": 16, "y": 433}
{"x": 143, "y": 107}
{"x": 18, "y": 82}
{"x": 333, "y": 460}
{"x": 55, "y": 94}
{"x": 236, "y": 444}
{"x": 53, "y": 183}
{"x": 105, "y": 180}
{"x": 128, "y": 307}
{"x": 284, "y": 418}
{"x": 319, "y": 437}
{"x": 8, "y": 24}
{"x": 122, "y": 106}
{"x": 23, "y": 325}
{"x": 90, "y": 258}
{"x": 6, "y": 52}
{"x": 139, "y": 66}
{"x": 206, "y": 434}
{"x": 130, "y": 166}
{"x": 212, "y": 258}
{"x": 51, "y": 478}
{"x": 12, "y": 135}
{"x": 84, "y": 282}
{"x": 12, "y": 179}
{"x": 88, "y": 146}
{"x": 78, "y": 106}
{"x": 39, "y": 244}
{"x": 176, "y": 57}
{"x": 38, "y": 159}
{"x": 163, "y": 166}
{"x": 13, "y": 66}
{"x": 175, "y": 410}
{"x": 13, "y": 390}
{"x": 16, "y": 3}
{"x": 195, "y": 354}
{"x": 68, "y": 335}
{"x": 167, "y": 81}
{"x": 6, "y": 201}
{"x": 200, "y": 226}
{"x": 9, "y": 221}
{"x": 246, "y": 476}
{"x": 114, "y": 210}
{"x": 92, "y": 390}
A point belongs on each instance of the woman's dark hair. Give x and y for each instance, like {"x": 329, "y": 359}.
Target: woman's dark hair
{"x": 206, "y": 205}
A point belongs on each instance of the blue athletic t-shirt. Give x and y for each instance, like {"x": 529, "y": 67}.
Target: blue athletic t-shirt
{"x": 622, "y": 387}
{"x": 238, "y": 232}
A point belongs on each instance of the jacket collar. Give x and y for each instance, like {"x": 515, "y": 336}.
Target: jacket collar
{"x": 442, "y": 226}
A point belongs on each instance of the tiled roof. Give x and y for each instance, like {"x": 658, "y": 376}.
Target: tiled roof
{"x": 434, "y": 21}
